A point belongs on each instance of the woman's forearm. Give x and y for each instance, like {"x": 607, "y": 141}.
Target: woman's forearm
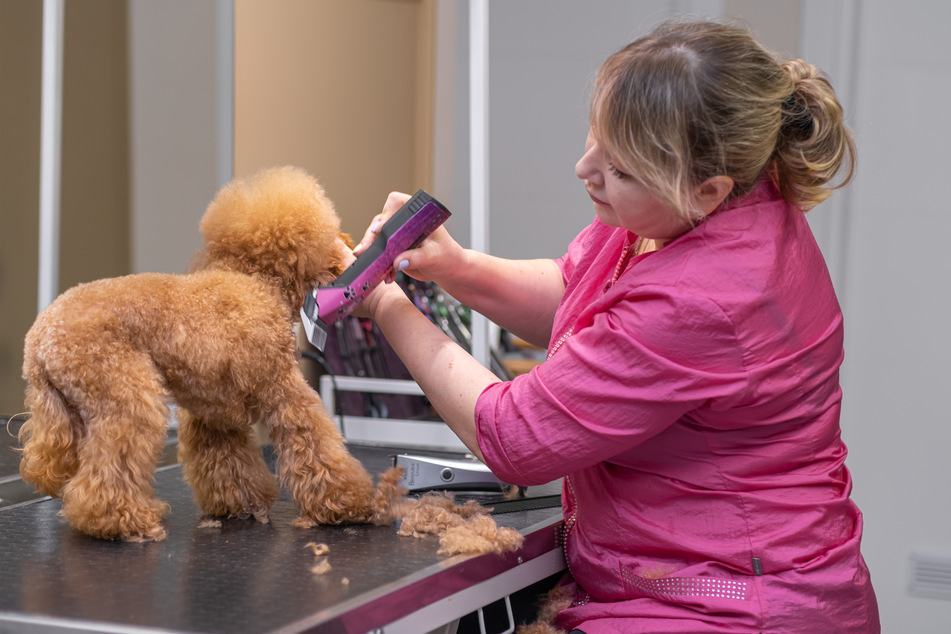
{"x": 451, "y": 378}
{"x": 519, "y": 295}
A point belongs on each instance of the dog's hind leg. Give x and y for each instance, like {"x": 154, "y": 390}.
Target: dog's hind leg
{"x": 225, "y": 469}
{"x": 111, "y": 495}
{"x": 50, "y": 438}
{"x": 328, "y": 483}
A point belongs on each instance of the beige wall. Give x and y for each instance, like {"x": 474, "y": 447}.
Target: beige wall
{"x": 20, "y": 26}
{"x": 94, "y": 224}
{"x": 341, "y": 88}
{"x": 94, "y": 200}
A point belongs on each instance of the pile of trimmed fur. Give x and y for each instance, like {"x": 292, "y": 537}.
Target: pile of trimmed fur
{"x": 463, "y": 529}
{"x": 466, "y": 529}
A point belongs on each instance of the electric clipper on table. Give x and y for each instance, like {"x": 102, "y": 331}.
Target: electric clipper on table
{"x": 423, "y": 473}
{"x": 406, "y": 229}
{"x": 469, "y": 479}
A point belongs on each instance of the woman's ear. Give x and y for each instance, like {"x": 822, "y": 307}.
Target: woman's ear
{"x": 711, "y": 193}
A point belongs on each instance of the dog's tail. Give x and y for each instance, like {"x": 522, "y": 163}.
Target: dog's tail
{"x": 49, "y": 439}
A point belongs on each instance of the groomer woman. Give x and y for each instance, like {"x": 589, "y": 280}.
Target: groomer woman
{"x": 690, "y": 399}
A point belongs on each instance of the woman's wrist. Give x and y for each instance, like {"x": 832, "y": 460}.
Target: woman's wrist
{"x": 466, "y": 278}
{"x": 381, "y": 300}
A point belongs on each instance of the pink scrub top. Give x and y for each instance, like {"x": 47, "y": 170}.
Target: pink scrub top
{"x": 692, "y": 407}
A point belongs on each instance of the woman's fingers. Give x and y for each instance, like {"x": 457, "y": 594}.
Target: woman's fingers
{"x": 393, "y": 203}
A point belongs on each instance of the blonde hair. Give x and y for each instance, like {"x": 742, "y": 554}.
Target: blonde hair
{"x": 694, "y": 100}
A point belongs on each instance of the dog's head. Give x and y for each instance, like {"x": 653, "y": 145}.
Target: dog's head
{"x": 279, "y": 224}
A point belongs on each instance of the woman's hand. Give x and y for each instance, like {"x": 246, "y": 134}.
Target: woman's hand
{"x": 437, "y": 258}
{"x": 519, "y": 295}
{"x": 393, "y": 203}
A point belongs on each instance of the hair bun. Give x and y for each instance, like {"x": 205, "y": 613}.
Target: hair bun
{"x": 798, "y": 120}
{"x": 797, "y": 117}
{"x": 814, "y": 144}
{"x": 799, "y": 70}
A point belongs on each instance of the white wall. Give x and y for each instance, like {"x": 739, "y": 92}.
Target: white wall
{"x": 180, "y": 107}
{"x": 889, "y": 245}
{"x": 542, "y": 58}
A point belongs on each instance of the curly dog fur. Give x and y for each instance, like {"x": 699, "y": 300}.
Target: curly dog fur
{"x": 105, "y": 360}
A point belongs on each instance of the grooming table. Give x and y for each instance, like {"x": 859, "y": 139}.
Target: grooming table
{"x": 249, "y": 577}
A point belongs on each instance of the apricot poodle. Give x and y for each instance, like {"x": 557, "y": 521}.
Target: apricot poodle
{"x": 106, "y": 359}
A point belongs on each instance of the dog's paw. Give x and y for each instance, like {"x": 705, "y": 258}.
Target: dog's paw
{"x": 155, "y": 534}
{"x": 118, "y": 522}
{"x": 333, "y": 516}
{"x": 305, "y": 522}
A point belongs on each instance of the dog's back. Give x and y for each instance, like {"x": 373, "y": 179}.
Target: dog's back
{"x": 135, "y": 342}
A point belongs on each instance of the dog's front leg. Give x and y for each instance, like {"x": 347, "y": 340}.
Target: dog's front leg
{"x": 328, "y": 483}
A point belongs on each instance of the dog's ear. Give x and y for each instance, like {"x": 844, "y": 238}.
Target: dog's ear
{"x": 339, "y": 265}
{"x": 341, "y": 259}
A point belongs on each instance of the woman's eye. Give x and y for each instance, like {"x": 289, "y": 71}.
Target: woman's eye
{"x": 617, "y": 173}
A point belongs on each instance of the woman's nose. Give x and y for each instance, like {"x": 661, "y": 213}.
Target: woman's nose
{"x": 586, "y": 168}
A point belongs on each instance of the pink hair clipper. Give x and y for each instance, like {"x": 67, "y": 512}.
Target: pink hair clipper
{"x": 406, "y": 229}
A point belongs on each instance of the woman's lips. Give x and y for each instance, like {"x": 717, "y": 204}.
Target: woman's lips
{"x": 597, "y": 200}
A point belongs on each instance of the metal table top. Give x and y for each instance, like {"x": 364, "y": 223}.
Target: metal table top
{"x": 241, "y": 577}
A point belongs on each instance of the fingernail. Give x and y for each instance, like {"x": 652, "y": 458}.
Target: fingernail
{"x": 375, "y": 227}
{"x": 403, "y": 265}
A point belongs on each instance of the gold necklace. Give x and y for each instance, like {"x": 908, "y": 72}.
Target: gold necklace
{"x": 639, "y": 247}
{"x": 627, "y": 253}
